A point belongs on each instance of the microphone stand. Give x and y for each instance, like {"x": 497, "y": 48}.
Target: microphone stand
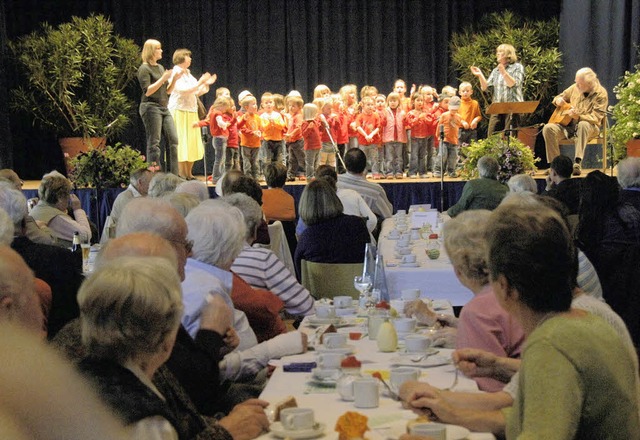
{"x": 204, "y": 132}
{"x": 442, "y": 168}
{"x": 333, "y": 143}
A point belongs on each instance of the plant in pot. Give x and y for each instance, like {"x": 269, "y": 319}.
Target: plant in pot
{"x": 108, "y": 167}
{"x": 625, "y": 133}
{"x": 74, "y": 78}
{"x": 536, "y": 44}
{"x": 514, "y": 157}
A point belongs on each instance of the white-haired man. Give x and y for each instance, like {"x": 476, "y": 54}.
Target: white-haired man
{"x": 483, "y": 193}
{"x": 586, "y": 103}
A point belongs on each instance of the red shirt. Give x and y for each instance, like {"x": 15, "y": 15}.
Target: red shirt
{"x": 343, "y": 133}
{"x": 214, "y": 128}
{"x": 334, "y": 127}
{"x": 233, "y": 139}
{"x": 294, "y": 130}
{"x": 368, "y": 123}
{"x": 420, "y": 122}
{"x": 311, "y": 135}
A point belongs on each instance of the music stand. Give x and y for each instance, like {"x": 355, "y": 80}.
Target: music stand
{"x": 510, "y": 108}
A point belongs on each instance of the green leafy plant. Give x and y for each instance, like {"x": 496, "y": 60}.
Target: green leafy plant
{"x": 75, "y": 76}
{"x": 626, "y": 113}
{"x": 108, "y": 167}
{"x": 514, "y": 158}
{"x": 536, "y": 44}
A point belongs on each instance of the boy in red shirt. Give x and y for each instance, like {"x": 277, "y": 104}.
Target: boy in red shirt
{"x": 293, "y": 138}
{"x": 368, "y": 126}
{"x": 311, "y": 135}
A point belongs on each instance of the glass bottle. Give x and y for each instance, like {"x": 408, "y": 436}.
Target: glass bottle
{"x": 433, "y": 247}
{"x": 75, "y": 244}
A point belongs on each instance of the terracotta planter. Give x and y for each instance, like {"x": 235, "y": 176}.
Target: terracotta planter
{"x": 72, "y": 146}
{"x": 528, "y": 137}
{"x": 633, "y": 148}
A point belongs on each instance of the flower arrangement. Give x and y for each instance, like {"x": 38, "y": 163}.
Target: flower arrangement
{"x": 626, "y": 112}
{"x": 514, "y": 158}
{"x": 108, "y": 167}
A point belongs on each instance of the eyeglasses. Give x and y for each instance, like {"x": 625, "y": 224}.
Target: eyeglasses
{"x": 188, "y": 244}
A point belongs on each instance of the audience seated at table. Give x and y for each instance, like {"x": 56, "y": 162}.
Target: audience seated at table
{"x": 561, "y": 186}
{"x": 182, "y": 202}
{"x": 629, "y": 180}
{"x": 277, "y": 203}
{"x": 57, "y": 267}
{"x": 522, "y": 183}
{"x": 579, "y": 374}
{"x": 331, "y": 236}
{"x": 236, "y": 182}
{"x": 609, "y": 233}
{"x": 483, "y": 324}
{"x": 195, "y": 188}
{"x": 55, "y": 196}
{"x": 261, "y": 268}
{"x": 482, "y": 193}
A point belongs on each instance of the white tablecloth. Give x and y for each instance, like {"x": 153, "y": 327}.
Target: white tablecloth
{"x": 388, "y": 420}
{"x": 435, "y": 278}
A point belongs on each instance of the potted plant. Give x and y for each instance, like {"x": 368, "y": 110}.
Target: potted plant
{"x": 514, "y": 157}
{"x": 536, "y": 44}
{"x": 75, "y": 77}
{"x": 108, "y": 167}
{"x": 625, "y": 133}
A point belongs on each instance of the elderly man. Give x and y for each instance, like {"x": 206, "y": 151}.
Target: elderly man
{"x": 561, "y": 186}
{"x": 483, "y": 193}
{"x": 586, "y": 103}
{"x": 261, "y": 268}
{"x": 629, "y": 180}
{"x": 59, "y": 268}
{"x": 372, "y": 193}
{"x": 138, "y": 187}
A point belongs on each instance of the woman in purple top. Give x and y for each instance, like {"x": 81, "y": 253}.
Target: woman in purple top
{"x": 331, "y": 236}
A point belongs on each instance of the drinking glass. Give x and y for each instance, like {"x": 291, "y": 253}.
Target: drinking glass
{"x": 363, "y": 284}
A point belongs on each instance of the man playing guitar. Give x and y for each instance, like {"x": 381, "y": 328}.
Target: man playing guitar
{"x": 581, "y": 109}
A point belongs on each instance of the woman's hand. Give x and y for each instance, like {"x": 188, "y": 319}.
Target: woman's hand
{"x": 475, "y": 70}
{"x": 74, "y": 202}
{"x": 419, "y": 310}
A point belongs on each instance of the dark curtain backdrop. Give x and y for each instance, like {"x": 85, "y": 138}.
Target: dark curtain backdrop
{"x": 279, "y": 45}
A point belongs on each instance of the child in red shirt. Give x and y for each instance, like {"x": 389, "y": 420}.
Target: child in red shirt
{"x": 368, "y": 126}
{"x": 311, "y": 135}
{"x": 328, "y": 127}
{"x": 342, "y": 138}
{"x": 294, "y": 140}
{"x": 420, "y": 122}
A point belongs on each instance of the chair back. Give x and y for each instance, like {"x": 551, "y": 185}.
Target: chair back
{"x": 326, "y": 280}
{"x": 280, "y": 246}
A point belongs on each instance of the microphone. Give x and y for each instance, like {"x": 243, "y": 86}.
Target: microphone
{"x": 441, "y": 131}
{"x": 324, "y": 120}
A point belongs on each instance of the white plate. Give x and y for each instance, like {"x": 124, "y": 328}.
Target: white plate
{"x": 429, "y": 351}
{"x": 431, "y": 361}
{"x": 317, "y": 322}
{"x": 334, "y": 374}
{"x": 416, "y": 264}
{"x": 441, "y": 304}
{"x": 347, "y": 349}
{"x": 455, "y": 432}
{"x": 278, "y": 430}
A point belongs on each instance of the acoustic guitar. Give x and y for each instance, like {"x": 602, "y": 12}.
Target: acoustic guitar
{"x": 561, "y": 115}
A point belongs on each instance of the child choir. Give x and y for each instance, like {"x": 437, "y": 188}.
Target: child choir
{"x": 399, "y": 134}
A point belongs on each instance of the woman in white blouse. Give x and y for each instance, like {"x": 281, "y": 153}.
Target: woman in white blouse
{"x": 183, "y": 105}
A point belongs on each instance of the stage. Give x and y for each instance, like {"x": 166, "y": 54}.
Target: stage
{"x": 402, "y": 193}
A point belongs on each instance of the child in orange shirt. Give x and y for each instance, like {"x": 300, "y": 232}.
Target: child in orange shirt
{"x": 250, "y": 128}
{"x": 273, "y": 129}
{"x": 293, "y": 138}
{"x": 368, "y": 126}
{"x": 470, "y": 114}
{"x": 311, "y": 135}
{"x": 451, "y": 123}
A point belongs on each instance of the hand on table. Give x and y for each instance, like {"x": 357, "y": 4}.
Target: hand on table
{"x": 473, "y": 362}
{"x": 247, "y": 420}
{"x": 444, "y": 337}
{"x": 419, "y": 310}
{"x": 424, "y": 399}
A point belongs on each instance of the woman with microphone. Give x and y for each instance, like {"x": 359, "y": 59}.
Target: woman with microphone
{"x": 506, "y": 80}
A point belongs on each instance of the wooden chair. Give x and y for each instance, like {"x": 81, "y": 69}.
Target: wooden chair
{"x": 280, "y": 246}
{"x": 326, "y": 280}
{"x": 600, "y": 139}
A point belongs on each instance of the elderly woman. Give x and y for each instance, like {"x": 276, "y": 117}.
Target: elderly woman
{"x": 162, "y": 184}
{"x": 51, "y": 210}
{"x": 483, "y": 193}
{"x": 578, "y": 378}
{"x": 142, "y": 299}
{"x": 483, "y": 324}
{"x": 331, "y": 236}
{"x": 261, "y": 268}
{"x": 522, "y": 183}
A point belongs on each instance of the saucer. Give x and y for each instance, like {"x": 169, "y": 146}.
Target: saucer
{"x": 278, "y": 430}
{"x": 324, "y": 375}
{"x": 337, "y": 322}
{"x": 427, "y": 351}
{"x": 390, "y": 237}
{"x": 347, "y": 349}
{"x": 431, "y": 361}
{"x": 347, "y": 311}
{"x": 414, "y": 264}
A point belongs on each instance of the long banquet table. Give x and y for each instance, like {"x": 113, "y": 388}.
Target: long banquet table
{"x": 388, "y": 420}
{"x": 435, "y": 278}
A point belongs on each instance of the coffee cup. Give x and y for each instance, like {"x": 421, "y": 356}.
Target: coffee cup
{"x": 334, "y": 340}
{"x": 329, "y": 361}
{"x": 416, "y": 343}
{"x": 366, "y": 392}
{"x": 437, "y": 431}
{"x": 409, "y": 258}
{"x": 410, "y": 294}
{"x": 345, "y": 386}
{"x": 398, "y": 305}
{"x": 297, "y": 419}
{"x": 401, "y": 375}
{"x": 324, "y": 311}
{"x": 342, "y": 302}
{"x": 404, "y": 325}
